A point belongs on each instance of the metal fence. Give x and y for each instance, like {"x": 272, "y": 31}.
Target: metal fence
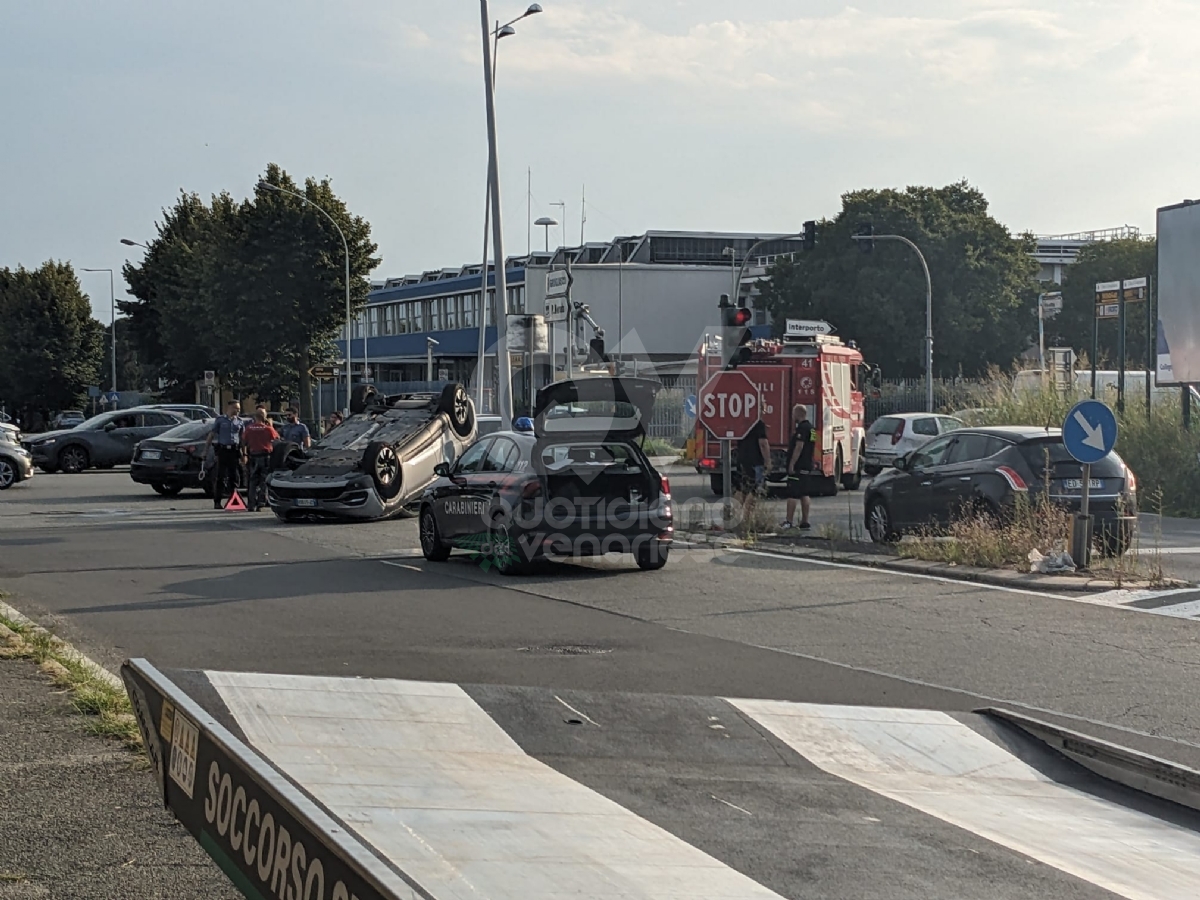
{"x": 670, "y": 421}
{"x": 901, "y": 395}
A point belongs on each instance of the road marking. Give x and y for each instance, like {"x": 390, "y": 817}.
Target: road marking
{"x": 583, "y": 716}
{"x": 733, "y": 805}
{"x": 933, "y": 763}
{"x": 399, "y": 565}
{"x": 424, "y": 774}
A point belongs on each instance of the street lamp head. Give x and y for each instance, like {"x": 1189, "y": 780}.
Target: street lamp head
{"x": 534, "y": 9}
{"x": 546, "y": 220}
{"x": 128, "y": 243}
{"x": 505, "y": 31}
{"x": 431, "y": 342}
{"x": 266, "y": 186}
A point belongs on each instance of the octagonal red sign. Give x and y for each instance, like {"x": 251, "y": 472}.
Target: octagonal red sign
{"x": 728, "y": 405}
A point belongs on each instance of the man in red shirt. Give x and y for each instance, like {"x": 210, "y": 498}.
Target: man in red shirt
{"x": 258, "y": 438}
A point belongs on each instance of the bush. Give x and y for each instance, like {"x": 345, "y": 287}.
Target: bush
{"x": 1163, "y": 456}
{"x": 979, "y": 540}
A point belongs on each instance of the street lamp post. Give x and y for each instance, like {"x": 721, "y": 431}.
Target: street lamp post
{"x": 112, "y": 300}
{"x": 267, "y": 186}
{"x": 928, "y": 307}
{"x": 501, "y": 302}
{"x": 546, "y": 222}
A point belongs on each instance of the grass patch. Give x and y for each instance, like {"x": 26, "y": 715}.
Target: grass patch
{"x": 985, "y": 541}
{"x": 105, "y": 705}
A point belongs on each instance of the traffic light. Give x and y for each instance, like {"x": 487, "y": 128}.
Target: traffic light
{"x": 735, "y": 331}
{"x": 736, "y": 316}
{"x": 865, "y": 229}
{"x": 809, "y": 235}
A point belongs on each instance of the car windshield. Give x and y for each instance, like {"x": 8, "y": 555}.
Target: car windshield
{"x": 95, "y": 423}
{"x": 885, "y": 424}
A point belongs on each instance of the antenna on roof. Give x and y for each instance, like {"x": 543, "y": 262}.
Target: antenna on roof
{"x": 582, "y": 214}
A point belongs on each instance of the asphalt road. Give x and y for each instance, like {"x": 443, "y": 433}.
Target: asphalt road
{"x": 122, "y": 572}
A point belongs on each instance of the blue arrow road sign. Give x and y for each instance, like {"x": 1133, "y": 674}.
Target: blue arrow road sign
{"x": 689, "y": 406}
{"x": 1090, "y": 431}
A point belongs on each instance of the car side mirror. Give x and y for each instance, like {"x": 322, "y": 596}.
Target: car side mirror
{"x": 442, "y": 470}
{"x": 110, "y": 426}
{"x": 901, "y": 463}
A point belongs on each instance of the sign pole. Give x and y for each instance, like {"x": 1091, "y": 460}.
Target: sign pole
{"x": 1081, "y": 532}
{"x": 1151, "y": 340}
{"x": 1095, "y": 347}
{"x": 1042, "y": 336}
{"x": 727, "y": 483}
{"x": 1120, "y": 352}
{"x": 320, "y": 391}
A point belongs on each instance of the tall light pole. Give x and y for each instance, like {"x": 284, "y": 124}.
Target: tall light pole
{"x": 501, "y": 302}
{"x": 546, "y": 222}
{"x": 112, "y": 301}
{"x": 928, "y": 307}
{"x": 267, "y": 186}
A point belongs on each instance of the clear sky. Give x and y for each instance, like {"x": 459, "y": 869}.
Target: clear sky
{"x": 749, "y": 116}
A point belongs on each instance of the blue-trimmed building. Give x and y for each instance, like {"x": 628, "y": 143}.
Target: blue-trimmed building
{"x": 655, "y": 295}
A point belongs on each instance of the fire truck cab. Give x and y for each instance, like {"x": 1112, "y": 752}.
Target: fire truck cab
{"x": 817, "y": 370}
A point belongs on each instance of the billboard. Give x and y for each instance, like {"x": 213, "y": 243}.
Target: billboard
{"x": 1179, "y": 294}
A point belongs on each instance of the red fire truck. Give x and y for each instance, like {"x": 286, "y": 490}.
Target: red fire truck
{"x": 821, "y": 372}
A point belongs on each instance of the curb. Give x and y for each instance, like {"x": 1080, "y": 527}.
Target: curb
{"x": 90, "y": 664}
{"x": 1135, "y": 770}
{"x": 971, "y": 574}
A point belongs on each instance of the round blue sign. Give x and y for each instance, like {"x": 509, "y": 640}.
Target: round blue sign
{"x": 689, "y": 406}
{"x": 1090, "y": 431}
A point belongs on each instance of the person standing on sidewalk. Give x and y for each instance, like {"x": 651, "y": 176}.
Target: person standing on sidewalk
{"x": 799, "y": 468}
{"x": 259, "y": 437}
{"x": 753, "y": 454}
{"x": 226, "y": 433}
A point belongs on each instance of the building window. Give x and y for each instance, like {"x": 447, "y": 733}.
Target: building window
{"x": 470, "y": 303}
{"x": 450, "y": 317}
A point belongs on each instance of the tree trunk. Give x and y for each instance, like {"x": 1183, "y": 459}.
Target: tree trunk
{"x": 306, "y": 399}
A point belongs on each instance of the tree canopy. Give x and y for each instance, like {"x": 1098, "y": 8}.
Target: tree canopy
{"x": 984, "y": 281}
{"x": 252, "y": 290}
{"x": 51, "y": 348}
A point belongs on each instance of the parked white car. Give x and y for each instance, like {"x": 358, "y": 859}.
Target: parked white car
{"x": 890, "y": 437}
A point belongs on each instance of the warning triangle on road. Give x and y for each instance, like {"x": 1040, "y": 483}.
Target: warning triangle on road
{"x": 235, "y": 503}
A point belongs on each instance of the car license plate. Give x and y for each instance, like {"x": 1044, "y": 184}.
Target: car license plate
{"x": 306, "y": 503}
{"x": 151, "y": 454}
{"x": 1076, "y": 484}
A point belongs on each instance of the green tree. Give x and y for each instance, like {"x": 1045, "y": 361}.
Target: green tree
{"x": 50, "y": 346}
{"x": 253, "y": 290}
{"x": 984, "y": 288}
{"x": 1099, "y": 262}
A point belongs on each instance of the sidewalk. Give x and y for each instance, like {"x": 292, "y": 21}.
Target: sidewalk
{"x": 79, "y": 816}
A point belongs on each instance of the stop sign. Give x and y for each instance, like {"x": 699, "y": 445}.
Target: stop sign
{"x": 728, "y": 405}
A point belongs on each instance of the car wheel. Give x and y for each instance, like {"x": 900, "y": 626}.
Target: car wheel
{"x": 167, "y": 490}
{"x": 73, "y": 459}
{"x": 455, "y": 403}
{"x": 383, "y": 465}
{"x": 8, "y": 474}
{"x": 432, "y": 547}
{"x": 361, "y": 397}
{"x": 652, "y": 556}
{"x": 284, "y": 454}
{"x": 879, "y": 522}
{"x": 853, "y": 480}
{"x": 506, "y": 552}
{"x": 834, "y": 481}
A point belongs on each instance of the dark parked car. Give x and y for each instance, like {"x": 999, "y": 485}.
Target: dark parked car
{"x": 983, "y": 470}
{"x": 102, "y": 441}
{"x": 580, "y": 485}
{"x": 174, "y": 459}
{"x": 194, "y": 411}
{"x": 378, "y": 461}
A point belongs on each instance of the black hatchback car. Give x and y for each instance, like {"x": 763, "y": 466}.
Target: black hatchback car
{"x": 984, "y": 470}
{"x": 580, "y": 485}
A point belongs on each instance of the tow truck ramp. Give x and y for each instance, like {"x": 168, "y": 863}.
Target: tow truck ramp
{"x": 310, "y": 788}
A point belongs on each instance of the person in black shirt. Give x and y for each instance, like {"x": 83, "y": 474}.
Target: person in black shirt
{"x": 750, "y": 476}
{"x": 800, "y": 463}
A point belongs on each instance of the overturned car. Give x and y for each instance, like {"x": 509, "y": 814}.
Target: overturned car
{"x": 378, "y": 461}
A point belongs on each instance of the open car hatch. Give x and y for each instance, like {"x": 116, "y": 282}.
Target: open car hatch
{"x": 601, "y": 406}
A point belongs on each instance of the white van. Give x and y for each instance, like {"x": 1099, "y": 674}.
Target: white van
{"x": 1030, "y": 381}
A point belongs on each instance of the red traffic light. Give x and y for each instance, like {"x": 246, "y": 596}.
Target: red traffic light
{"x": 741, "y": 316}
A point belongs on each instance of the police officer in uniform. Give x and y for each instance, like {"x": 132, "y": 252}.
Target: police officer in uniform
{"x": 226, "y": 433}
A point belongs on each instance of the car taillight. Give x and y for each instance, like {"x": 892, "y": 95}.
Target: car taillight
{"x": 898, "y": 433}
{"x": 707, "y": 463}
{"x": 1013, "y": 477}
{"x": 1130, "y": 481}
{"x": 666, "y": 487}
